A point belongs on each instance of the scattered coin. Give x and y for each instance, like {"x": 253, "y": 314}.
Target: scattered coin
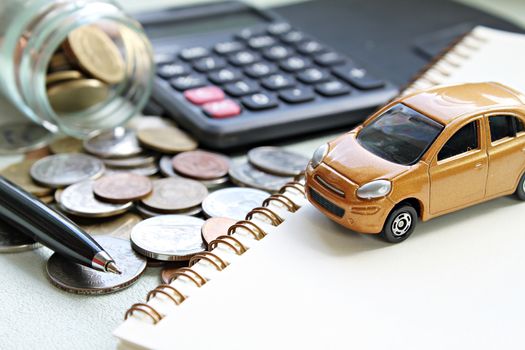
{"x": 12, "y": 241}
{"x": 77, "y": 95}
{"x": 75, "y": 278}
{"x": 278, "y": 161}
{"x": 141, "y": 160}
{"x": 233, "y": 203}
{"x": 150, "y": 122}
{"x": 38, "y": 153}
{"x": 168, "y": 237}
{"x": 148, "y": 170}
{"x": 174, "y": 194}
{"x": 201, "y": 165}
{"x": 22, "y": 137}
{"x": 120, "y": 226}
{"x": 117, "y": 143}
{"x": 166, "y": 167}
{"x": 244, "y": 174}
{"x": 66, "y": 145}
{"x": 148, "y": 213}
{"x": 47, "y": 199}
{"x": 155, "y": 263}
{"x": 95, "y": 52}
{"x": 78, "y": 199}
{"x": 18, "y": 173}
{"x": 65, "y": 169}
{"x": 122, "y": 188}
{"x": 215, "y": 227}
{"x": 61, "y": 76}
{"x": 166, "y": 140}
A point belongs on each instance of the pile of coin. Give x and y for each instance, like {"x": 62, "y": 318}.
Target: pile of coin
{"x": 83, "y": 70}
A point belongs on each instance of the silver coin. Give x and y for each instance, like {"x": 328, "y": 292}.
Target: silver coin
{"x": 148, "y": 213}
{"x": 12, "y": 241}
{"x": 79, "y": 279}
{"x": 116, "y": 143}
{"x": 79, "y": 200}
{"x": 148, "y": 170}
{"x": 141, "y": 160}
{"x": 233, "y": 202}
{"x": 166, "y": 169}
{"x": 245, "y": 174}
{"x": 278, "y": 161}
{"x": 168, "y": 237}
{"x": 61, "y": 170}
{"x": 22, "y": 137}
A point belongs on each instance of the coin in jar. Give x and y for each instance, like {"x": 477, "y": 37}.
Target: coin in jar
{"x": 79, "y": 200}
{"x": 278, "y": 161}
{"x": 120, "y": 226}
{"x": 22, "y": 137}
{"x": 18, "y": 173}
{"x": 116, "y": 143}
{"x": 77, "y": 95}
{"x": 75, "y": 278}
{"x": 173, "y": 194}
{"x": 12, "y": 241}
{"x": 122, "y": 188}
{"x": 65, "y": 169}
{"x": 244, "y": 174}
{"x": 233, "y": 203}
{"x": 61, "y": 76}
{"x": 201, "y": 165}
{"x": 66, "y": 145}
{"x": 215, "y": 227}
{"x": 166, "y": 140}
{"x": 168, "y": 237}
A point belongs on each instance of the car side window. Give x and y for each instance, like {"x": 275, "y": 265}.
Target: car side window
{"x": 464, "y": 140}
{"x": 501, "y": 126}
{"x": 519, "y": 125}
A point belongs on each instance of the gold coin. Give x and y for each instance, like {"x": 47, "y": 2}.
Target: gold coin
{"x": 117, "y": 227}
{"x": 59, "y": 62}
{"x": 66, "y": 75}
{"x": 96, "y": 53}
{"x": 166, "y": 140}
{"x": 77, "y": 95}
{"x": 66, "y": 145}
{"x": 19, "y": 174}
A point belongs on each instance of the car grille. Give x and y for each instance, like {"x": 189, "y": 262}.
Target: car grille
{"x": 325, "y": 203}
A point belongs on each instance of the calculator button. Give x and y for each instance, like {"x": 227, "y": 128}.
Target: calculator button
{"x": 222, "y": 109}
{"x": 277, "y": 52}
{"x": 207, "y": 64}
{"x": 243, "y": 58}
{"x": 293, "y": 37}
{"x": 227, "y": 47}
{"x": 171, "y": 70}
{"x": 187, "y": 82}
{"x": 224, "y": 76}
{"x": 260, "y": 42}
{"x": 329, "y": 59}
{"x": 278, "y": 81}
{"x": 260, "y": 101}
{"x": 241, "y": 88}
{"x": 247, "y": 33}
{"x": 260, "y": 69}
{"x": 192, "y": 53}
{"x": 297, "y": 95}
{"x": 332, "y": 88}
{"x": 279, "y": 28}
{"x": 313, "y": 76}
{"x": 358, "y": 77}
{"x": 310, "y": 47}
{"x": 200, "y": 96}
{"x": 295, "y": 63}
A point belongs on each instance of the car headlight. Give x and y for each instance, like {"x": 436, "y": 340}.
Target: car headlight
{"x": 319, "y": 155}
{"x": 374, "y": 189}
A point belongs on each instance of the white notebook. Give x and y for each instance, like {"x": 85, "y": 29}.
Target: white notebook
{"x": 456, "y": 283}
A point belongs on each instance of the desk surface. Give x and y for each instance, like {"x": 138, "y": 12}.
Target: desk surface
{"x": 37, "y": 315}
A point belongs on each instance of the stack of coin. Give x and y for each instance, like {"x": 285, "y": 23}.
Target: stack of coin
{"x": 83, "y": 70}
{"x": 209, "y": 168}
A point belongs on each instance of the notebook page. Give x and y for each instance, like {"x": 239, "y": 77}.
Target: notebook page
{"x": 456, "y": 283}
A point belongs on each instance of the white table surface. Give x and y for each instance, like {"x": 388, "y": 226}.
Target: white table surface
{"x": 36, "y": 315}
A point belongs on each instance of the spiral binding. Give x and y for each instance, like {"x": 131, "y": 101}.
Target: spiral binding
{"x": 226, "y": 245}
{"x": 442, "y": 66}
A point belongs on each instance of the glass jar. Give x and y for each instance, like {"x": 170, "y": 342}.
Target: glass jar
{"x": 31, "y": 34}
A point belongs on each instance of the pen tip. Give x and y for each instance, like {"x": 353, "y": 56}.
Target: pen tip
{"x": 112, "y": 267}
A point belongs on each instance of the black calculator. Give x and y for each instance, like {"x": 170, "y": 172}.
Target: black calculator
{"x": 234, "y": 75}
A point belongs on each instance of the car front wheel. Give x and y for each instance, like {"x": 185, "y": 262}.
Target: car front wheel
{"x": 400, "y": 224}
{"x": 520, "y": 192}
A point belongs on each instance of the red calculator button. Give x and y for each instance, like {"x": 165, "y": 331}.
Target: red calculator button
{"x": 222, "y": 109}
{"x": 202, "y": 95}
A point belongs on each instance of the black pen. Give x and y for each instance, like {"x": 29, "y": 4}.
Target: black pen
{"x": 32, "y": 217}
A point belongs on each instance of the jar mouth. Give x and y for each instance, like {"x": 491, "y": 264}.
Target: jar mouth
{"x": 92, "y": 104}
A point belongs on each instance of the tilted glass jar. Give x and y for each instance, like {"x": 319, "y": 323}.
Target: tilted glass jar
{"x": 31, "y": 32}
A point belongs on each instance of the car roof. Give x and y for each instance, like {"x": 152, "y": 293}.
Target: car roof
{"x": 447, "y": 103}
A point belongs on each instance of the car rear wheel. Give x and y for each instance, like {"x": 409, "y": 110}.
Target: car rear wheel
{"x": 400, "y": 224}
{"x": 520, "y": 192}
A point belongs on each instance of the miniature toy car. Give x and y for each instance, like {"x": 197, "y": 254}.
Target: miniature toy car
{"x": 422, "y": 156}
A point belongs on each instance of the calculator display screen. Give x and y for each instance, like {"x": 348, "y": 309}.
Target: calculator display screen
{"x": 204, "y": 24}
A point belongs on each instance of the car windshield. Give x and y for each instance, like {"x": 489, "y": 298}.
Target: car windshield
{"x": 400, "y": 135}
